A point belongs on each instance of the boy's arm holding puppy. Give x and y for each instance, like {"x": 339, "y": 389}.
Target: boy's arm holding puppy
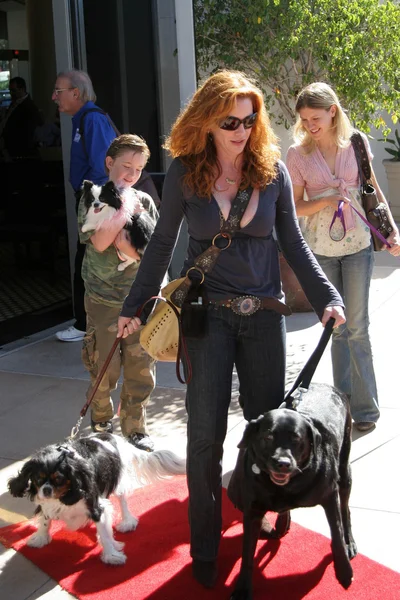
{"x": 103, "y": 238}
{"x": 123, "y": 244}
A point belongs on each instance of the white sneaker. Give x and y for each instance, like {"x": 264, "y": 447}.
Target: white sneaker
{"x": 70, "y": 335}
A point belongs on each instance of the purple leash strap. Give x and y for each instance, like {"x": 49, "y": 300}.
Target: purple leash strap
{"x": 338, "y": 214}
{"x": 376, "y": 232}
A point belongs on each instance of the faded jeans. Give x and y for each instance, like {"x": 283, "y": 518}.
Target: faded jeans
{"x": 353, "y": 369}
{"x": 256, "y": 345}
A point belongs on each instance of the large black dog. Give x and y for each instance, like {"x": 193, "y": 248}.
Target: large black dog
{"x": 292, "y": 458}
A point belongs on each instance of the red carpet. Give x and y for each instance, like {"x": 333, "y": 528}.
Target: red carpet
{"x": 158, "y": 565}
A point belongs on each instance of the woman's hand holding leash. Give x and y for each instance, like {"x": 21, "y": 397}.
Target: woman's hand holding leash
{"x": 336, "y": 312}
{"x": 333, "y": 201}
{"x": 127, "y": 325}
{"x": 394, "y": 241}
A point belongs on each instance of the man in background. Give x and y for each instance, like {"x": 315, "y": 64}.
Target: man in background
{"x": 17, "y": 129}
{"x": 92, "y": 133}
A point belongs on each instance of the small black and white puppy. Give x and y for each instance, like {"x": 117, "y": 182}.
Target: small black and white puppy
{"x": 296, "y": 458}
{"x": 72, "y": 482}
{"x": 106, "y": 205}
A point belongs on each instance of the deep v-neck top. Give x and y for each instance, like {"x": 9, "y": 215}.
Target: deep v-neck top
{"x": 251, "y": 263}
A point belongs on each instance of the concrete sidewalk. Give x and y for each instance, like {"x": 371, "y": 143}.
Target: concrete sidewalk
{"x": 42, "y": 389}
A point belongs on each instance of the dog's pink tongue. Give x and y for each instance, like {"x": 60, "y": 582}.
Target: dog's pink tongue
{"x": 97, "y": 210}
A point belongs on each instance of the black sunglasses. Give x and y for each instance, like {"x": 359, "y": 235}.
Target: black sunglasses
{"x": 233, "y": 123}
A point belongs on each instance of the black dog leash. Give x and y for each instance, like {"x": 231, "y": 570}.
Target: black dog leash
{"x": 306, "y": 374}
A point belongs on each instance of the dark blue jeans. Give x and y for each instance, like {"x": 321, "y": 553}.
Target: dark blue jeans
{"x": 255, "y": 344}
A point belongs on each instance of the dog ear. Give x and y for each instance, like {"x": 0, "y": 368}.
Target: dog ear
{"x": 87, "y": 185}
{"x": 314, "y": 437}
{"x": 19, "y": 486}
{"x": 111, "y": 194}
{"x": 86, "y": 192}
{"x": 112, "y": 189}
{"x": 110, "y": 185}
{"x": 81, "y": 479}
{"x": 251, "y": 430}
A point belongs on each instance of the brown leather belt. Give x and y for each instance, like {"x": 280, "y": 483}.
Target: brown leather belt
{"x": 248, "y": 305}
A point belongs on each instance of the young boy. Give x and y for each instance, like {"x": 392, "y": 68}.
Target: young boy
{"x": 105, "y": 291}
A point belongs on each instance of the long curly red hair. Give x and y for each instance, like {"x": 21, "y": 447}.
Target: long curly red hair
{"x": 190, "y": 140}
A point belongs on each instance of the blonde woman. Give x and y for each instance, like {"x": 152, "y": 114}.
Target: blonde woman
{"x": 322, "y": 163}
{"x": 221, "y": 143}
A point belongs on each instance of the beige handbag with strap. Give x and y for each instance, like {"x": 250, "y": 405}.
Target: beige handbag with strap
{"x": 160, "y": 336}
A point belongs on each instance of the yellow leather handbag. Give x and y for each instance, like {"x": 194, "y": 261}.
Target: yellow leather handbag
{"x": 160, "y": 336}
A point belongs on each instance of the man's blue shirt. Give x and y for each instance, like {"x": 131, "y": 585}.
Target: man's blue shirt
{"x": 98, "y": 134}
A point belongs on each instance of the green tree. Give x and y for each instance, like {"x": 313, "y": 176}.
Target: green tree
{"x": 354, "y": 45}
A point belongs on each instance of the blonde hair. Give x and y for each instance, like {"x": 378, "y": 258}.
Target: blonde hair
{"x": 320, "y": 95}
{"x": 125, "y": 143}
{"x": 190, "y": 137}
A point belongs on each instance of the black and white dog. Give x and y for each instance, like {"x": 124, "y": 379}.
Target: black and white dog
{"x": 108, "y": 204}
{"x": 72, "y": 482}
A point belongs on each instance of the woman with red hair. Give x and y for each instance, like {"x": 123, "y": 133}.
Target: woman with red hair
{"x": 223, "y": 146}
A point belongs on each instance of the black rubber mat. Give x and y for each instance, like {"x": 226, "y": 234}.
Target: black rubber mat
{"x": 34, "y": 295}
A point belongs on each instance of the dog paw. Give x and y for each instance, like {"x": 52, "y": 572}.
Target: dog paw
{"x": 113, "y": 558}
{"x": 344, "y": 575}
{"x": 122, "y": 266}
{"x": 38, "y": 540}
{"x": 127, "y": 525}
{"x": 243, "y": 588}
{"x": 352, "y": 550}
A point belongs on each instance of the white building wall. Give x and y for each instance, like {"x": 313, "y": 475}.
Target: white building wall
{"x": 168, "y": 71}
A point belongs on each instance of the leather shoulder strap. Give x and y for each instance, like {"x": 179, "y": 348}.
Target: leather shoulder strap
{"x": 238, "y": 206}
{"x": 204, "y": 263}
{"x": 360, "y": 151}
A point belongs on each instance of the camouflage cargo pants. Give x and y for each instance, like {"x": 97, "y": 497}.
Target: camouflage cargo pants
{"x": 138, "y": 369}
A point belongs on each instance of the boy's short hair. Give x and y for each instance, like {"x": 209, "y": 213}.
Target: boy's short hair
{"x": 128, "y": 142}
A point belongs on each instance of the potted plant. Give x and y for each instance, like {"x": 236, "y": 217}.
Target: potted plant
{"x": 392, "y": 167}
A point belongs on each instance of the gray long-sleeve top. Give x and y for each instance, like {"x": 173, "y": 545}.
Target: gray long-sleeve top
{"x": 250, "y": 266}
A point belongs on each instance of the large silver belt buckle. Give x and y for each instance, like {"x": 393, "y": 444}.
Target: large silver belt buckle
{"x": 245, "y": 305}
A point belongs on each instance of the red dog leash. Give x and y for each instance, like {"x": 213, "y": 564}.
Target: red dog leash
{"x": 75, "y": 429}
